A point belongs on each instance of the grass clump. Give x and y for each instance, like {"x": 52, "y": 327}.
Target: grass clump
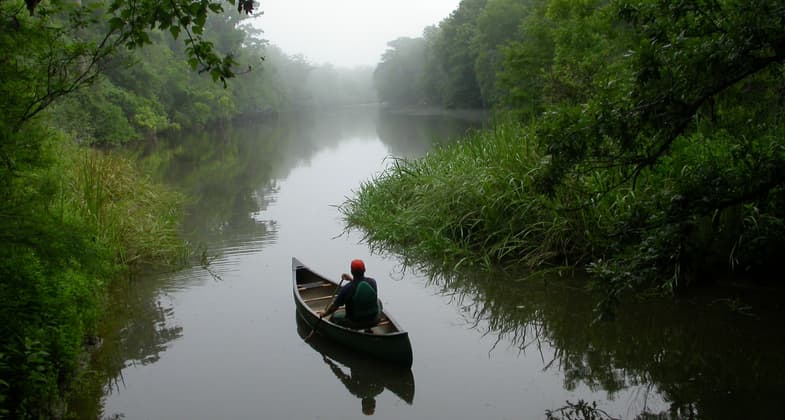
{"x": 138, "y": 218}
{"x": 470, "y": 203}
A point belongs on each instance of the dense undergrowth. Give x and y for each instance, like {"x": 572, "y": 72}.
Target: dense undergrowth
{"x": 476, "y": 203}
{"x": 71, "y": 223}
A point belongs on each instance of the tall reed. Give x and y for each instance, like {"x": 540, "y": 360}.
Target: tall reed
{"x": 134, "y": 216}
{"x": 469, "y": 203}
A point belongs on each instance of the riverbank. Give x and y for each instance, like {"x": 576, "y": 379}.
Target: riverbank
{"x": 73, "y": 224}
{"x": 480, "y": 202}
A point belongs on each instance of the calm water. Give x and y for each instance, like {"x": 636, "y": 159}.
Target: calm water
{"x": 223, "y": 342}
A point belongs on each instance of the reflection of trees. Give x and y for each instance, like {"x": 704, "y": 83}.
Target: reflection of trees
{"x": 143, "y": 330}
{"x": 136, "y": 328}
{"x": 230, "y": 173}
{"x": 412, "y": 134}
{"x": 701, "y": 358}
{"x": 226, "y": 176}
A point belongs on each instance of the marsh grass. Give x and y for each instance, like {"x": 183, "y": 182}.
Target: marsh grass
{"x": 479, "y": 202}
{"x": 470, "y": 203}
{"x": 131, "y": 214}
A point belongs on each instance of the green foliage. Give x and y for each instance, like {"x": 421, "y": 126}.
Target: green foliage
{"x": 497, "y": 26}
{"x": 437, "y": 69}
{"x": 139, "y": 218}
{"x": 132, "y": 22}
{"x": 527, "y": 62}
{"x": 68, "y": 227}
{"x": 400, "y": 75}
{"x": 455, "y": 54}
{"x": 56, "y": 48}
{"x": 73, "y": 219}
{"x": 655, "y": 136}
{"x": 468, "y": 204}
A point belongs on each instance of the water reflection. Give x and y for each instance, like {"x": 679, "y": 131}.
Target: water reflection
{"x": 411, "y": 135}
{"x": 676, "y": 359}
{"x": 226, "y": 176}
{"x": 363, "y": 377}
{"x": 231, "y": 176}
{"x": 703, "y": 360}
{"x": 229, "y": 173}
{"x": 138, "y": 329}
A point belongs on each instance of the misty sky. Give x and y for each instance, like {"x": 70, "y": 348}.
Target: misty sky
{"x": 346, "y": 32}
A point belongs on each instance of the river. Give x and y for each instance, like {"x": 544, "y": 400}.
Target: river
{"x": 221, "y": 341}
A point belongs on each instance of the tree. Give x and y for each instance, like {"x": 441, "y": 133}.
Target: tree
{"x": 685, "y": 109}
{"x": 52, "y": 52}
{"x": 497, "y": 26}
{"x": 399, "y": 76}
{"x": 455, "y": 54}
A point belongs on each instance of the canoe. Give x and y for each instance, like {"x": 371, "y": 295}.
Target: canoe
{"x": 361, "y": 374}
{"x": 386, "y": 341}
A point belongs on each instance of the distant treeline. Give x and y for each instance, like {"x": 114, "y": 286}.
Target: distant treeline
{"x": 492, "y": 54}
{"x": 469, "y": 60}
{"x": 142, "y": 92}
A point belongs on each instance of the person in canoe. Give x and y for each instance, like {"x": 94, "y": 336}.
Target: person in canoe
{"x": 362, "y": 308}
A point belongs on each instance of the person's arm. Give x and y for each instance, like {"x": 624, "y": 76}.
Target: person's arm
{"x": 337, "y": 302}
{"x": 330, "y": 309}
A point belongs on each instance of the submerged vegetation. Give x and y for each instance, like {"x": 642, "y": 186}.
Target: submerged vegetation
{"x": 643, "y": 142}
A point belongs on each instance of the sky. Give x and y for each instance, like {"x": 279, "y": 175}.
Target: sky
{"x": 346, "y": 33}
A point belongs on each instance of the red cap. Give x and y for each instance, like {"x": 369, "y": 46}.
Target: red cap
{"x": 358, "y": 265}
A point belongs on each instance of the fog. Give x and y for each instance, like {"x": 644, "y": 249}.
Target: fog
{"x": 346, "y": 33}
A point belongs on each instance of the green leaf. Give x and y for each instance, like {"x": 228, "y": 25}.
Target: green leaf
{"x": 116, "y": 23}
{"x": 175, "y": 31}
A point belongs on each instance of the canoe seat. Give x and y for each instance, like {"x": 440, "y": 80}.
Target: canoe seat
{"x": 306, "y": 286}
{"x": 317, "y": 298}
{"x": 380, "y": 324}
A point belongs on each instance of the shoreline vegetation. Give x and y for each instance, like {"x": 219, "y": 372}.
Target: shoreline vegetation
{"x": 639, "y": 142}
{"x": 89, "y": 218}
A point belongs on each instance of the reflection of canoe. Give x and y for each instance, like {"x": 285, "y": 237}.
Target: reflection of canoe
{"x": 366, "y": 372}
{"x": 386, "y": 341}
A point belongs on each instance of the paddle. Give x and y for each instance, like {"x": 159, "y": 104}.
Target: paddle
{"x": 337, "y": 289}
